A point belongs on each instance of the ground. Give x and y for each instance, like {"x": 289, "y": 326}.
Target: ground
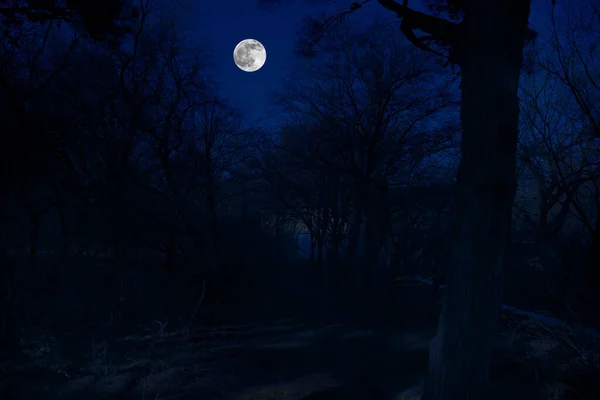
{"x": 287, "y": 355}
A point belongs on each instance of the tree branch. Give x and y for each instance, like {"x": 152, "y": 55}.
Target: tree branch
{"x": 437, "y": 29}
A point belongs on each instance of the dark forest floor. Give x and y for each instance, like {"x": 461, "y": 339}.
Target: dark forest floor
{"x": 287, "y": 359}
{"x": 256, "y": 354}
{"x": 280, "y": 359}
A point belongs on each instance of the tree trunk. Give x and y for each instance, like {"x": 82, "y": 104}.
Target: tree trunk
{"x": 354, "y": 235}
{"x": 320, "y": 248}
{"x": 542, "y": 234}
{"x": 170, "y": 259}
{"x": 214, "y": 233}
{"x": 593, "y": 266}
{"x": 558, "y": 222}
{"x": 370, "y": 260}
{"x": 64, "y": 232}
{"x": 396, "y": 262}
{"x": 491, "y": 56}
{"x": 35, "y": 222}
{"x": 549, "y": 230}
{"x": 334, "y": 241}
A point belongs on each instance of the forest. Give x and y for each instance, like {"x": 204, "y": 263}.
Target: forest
{"x": 419, "y": 219}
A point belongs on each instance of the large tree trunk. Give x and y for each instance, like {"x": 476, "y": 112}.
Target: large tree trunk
{"x": 491, "y": 56}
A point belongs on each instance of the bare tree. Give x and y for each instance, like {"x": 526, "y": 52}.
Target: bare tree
{"x": 218, "y": 143}
{"x": 195, "y": 135}
{"x": 488, "y": 45}
{"x": 100, "y": 20}
{"x": 573, "y": 62}
{"x": 553, "y": 145}
{"x": 358, "y": 128}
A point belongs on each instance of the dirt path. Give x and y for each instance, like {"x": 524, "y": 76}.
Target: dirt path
{"x": 277, "y": 360}
{"x": 292, "y": 359}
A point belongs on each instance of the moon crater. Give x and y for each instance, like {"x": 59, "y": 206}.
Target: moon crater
{"x": 249, "y": 55}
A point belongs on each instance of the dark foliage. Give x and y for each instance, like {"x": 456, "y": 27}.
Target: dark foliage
{"x": 100, "y": 19}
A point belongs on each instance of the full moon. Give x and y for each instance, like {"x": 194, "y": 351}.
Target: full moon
{"x": 249, "y": 55}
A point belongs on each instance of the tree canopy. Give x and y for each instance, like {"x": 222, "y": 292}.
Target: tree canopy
{"x": 101, "y": 19}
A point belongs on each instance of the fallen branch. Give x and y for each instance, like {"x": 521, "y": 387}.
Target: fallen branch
{"x": 552, "y": 321}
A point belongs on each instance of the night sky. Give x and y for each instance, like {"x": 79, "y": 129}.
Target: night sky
{"x": 223, "y": 24}
{"x": 220, "y": 25}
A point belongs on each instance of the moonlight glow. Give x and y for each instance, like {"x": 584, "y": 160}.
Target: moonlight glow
{"x": 249, "y": 55}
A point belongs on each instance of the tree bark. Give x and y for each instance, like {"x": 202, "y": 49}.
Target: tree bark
{"x": 64, "y": 232}
{"x": 214, "y": 232}
{"x": 593, "y": 266}
{"x": 354, "y": 234}
{"x": 170, "y": 250}
{"x": 491, "y": 54}
{"x": 320, "y": 249}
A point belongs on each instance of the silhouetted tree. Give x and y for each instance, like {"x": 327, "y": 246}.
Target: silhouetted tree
{"x": 361, "y": 131}
{"x": 574, "y": 62}
{"x": 102, "y": 20}
{"x": 488, "y": 45}
{"x": 193, "y": 135}
{"x": 553, "y": 148}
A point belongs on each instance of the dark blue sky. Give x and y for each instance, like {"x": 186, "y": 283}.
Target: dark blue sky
{"x": 224, "y": 23}
{"x": 219, "y": 25}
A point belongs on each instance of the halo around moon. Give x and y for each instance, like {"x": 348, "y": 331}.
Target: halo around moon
{"x": 249, "y": 55}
